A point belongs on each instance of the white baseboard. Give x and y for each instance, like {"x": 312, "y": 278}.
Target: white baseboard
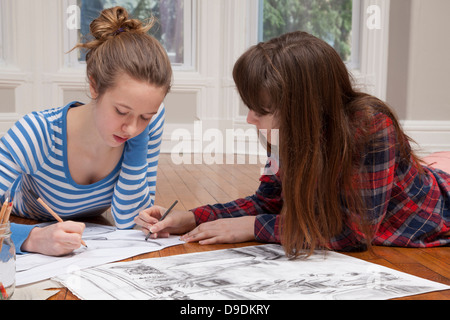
{"x": 430, "y": 136}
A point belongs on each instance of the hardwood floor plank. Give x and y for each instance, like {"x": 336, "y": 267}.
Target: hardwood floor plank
{"x": 199, "y": 185}
{"x": 436, "y": 265}
{"x": 181, "y": 191}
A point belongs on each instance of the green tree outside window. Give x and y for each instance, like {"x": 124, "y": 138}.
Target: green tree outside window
{"x": 329, "y": 20}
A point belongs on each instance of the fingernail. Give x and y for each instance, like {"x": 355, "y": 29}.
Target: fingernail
{"x": 153, "y": 229}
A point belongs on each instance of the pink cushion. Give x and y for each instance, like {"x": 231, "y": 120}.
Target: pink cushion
{"x": 439, "y": 160}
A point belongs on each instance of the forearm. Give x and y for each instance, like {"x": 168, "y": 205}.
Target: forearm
{"x": 234, "y": 209}
{"x": 20, "y": 234}
{"x": 136, "y": 187}
{"x": 266, "y": 227}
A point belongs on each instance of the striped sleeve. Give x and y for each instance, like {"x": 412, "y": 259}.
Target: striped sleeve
{"x": 154, "y": 149}
{"x": 136, "y": 187}
{"x": 23, "y": 149}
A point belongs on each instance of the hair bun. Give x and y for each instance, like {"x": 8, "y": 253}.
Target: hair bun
{"x": 114, "y": 21}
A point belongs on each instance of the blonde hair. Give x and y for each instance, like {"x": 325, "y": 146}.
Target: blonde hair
{"x": 122, "y": 45}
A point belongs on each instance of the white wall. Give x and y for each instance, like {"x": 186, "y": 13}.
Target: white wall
{"x": 404, "y": 62}
{"x": 419, "y": 69}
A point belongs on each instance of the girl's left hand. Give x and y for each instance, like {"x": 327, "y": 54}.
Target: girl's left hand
{"x": 229, "y": 230}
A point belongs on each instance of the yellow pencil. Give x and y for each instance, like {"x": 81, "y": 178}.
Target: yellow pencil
{"x": 53, "y": 213}
{"x": 4, "y": 217}
{"x": 3, "y": 211}
{"x": 8, "y": 212}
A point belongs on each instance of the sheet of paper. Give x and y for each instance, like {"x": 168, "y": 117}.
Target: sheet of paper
{"x": 105, "y": 244}
{"x": 250, "y": 273}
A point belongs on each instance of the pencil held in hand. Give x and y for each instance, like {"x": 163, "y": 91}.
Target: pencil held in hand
{"x": 53, "y": 213}
{"x": 162, "y": 218}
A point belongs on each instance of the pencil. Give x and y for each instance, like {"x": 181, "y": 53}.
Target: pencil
{"x": 162, "y": 218}
{"x": 53, "y": 213}
{"x": 5, "y": 218}
{"x": 3, "y": 211}
{"x": 3, "y": 292}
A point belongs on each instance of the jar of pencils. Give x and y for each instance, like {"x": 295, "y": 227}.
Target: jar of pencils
{"x": 7, "y": 263}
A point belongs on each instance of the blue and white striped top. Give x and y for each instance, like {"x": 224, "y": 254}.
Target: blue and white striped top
{"x": 33, "y": 155}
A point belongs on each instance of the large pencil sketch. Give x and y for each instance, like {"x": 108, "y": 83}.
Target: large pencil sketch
{"x": 250, "y": 273}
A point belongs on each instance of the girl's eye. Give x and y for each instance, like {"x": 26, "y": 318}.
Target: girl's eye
{"x": 121, "y": 113}
{"x": 146, "y": 119}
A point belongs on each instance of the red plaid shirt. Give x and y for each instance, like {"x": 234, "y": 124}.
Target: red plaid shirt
{"x": 405, "y": 209}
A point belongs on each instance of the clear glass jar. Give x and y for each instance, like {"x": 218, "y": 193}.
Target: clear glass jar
{"x": 7, "y": 263}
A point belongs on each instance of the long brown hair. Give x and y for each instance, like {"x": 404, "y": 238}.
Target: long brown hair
{"x": 324, "y": 125}
{"x": 122, "y": 45}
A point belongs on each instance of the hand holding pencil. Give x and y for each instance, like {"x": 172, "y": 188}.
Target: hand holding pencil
{"x": 162, "y": 218}
{"x": 159, "y": 222}
{"x": 53, "y": 213}
{"x": 57, "y": 239}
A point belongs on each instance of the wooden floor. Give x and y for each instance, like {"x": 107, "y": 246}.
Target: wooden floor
{"x": 194, "y": 185}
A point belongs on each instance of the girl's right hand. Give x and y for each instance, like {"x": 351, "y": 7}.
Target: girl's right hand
{"x": 176, "y": 222}
{"x": 57, "y": 239}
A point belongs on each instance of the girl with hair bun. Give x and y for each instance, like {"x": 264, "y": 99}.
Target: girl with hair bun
{"x": 83, "y": 159}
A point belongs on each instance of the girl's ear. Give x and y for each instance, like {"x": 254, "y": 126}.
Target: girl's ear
{"x": 92, "y": 88}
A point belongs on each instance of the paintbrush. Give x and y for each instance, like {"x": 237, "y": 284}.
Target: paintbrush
{"x": 53, "y": 213}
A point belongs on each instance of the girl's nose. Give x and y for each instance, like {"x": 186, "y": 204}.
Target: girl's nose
{"x": 129, "y": 128}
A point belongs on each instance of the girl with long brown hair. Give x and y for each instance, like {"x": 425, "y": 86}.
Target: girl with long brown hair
{"x": 348, "y": 178}
{"x": 83, "y": 159}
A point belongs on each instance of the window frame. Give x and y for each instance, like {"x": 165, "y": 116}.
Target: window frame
{"x": 190, "y": 45}
{"x": 354, "y": 62}
{"x": 369, "y": 62}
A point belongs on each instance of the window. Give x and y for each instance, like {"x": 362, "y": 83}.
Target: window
{"x": 336, "y": 22}
{"x": 174, "y": 27}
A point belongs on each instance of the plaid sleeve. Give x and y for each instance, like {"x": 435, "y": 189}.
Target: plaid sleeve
{"x": 265, "y": 204}
{"x": 267, "y": 228}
